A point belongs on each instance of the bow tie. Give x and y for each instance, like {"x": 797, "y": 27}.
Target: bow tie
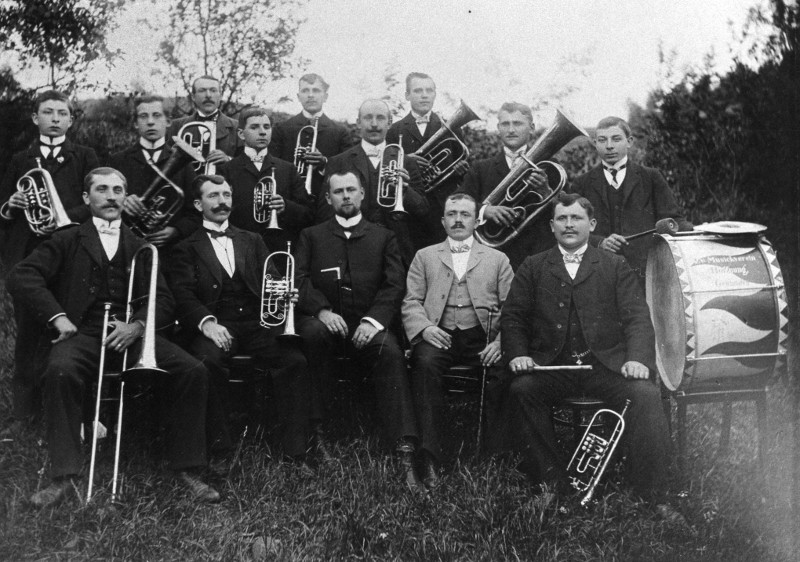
{"x": 257, "y": 158}
{"x": 113, "y": 230}
{"x": 460, "y": 249}
{"x": 349, "y": 228}
{"x": 423, "y": 119}
{"x": 212, "y": 117}
{"x": 373, "y": 153}
{"x": 219, "y": 233}
{"x": 573, "y": 258}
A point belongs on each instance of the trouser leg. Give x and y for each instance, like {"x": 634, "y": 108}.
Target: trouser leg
{"x": 428, "y": 364}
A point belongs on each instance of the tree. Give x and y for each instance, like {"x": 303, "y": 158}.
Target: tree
{"x": 243, "y": 43}
{"x": 58, "y": 34}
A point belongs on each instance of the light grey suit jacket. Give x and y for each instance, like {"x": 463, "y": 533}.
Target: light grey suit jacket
{"x": 430, "y": 277}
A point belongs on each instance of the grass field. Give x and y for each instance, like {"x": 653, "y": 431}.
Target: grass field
{"x": 358, "y": 509}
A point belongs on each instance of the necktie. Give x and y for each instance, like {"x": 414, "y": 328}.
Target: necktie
{"x": 49, "y": 150}
{"x": 613, "y": 172}
{"x": 219, "y": 233}
{"x": 573, "y": 258}
{"x": 461, "y": 248}
{"x": 212, "y": 117}
{"x": 108, "y": 229}
{"x": 151, "y": 152}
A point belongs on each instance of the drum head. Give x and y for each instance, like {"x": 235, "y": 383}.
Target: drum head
{"x": 731, "y": 227}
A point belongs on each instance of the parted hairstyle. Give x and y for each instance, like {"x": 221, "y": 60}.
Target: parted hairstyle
{"x": 567, "y": 199}
{"x": 203, "y": 77}
{"x": 246, "y": 114}
{"x": 148, "y": 99}
{"x": 418, "y": 75}
{"x": 459, "y": 197}
{"x": 512, "y": 106}
{"x": 102, "y": 171}
{"x": 612, "y": 121}
{"x": 311, "y": 77}
{"x": 52, "y": 95}
{"x": 199, "y": 181}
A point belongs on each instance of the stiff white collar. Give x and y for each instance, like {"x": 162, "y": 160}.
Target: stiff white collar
{"x": 214, "y": 226}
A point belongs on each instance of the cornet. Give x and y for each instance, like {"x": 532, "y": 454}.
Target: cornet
{"x": 45, "y": 212}
{"x": 390, "y": 182}
{"x": 201, "y": 135}
{"x": 276, "y": 296}
{"x": 263, "y": 192}
{"x": 306, "y": 142}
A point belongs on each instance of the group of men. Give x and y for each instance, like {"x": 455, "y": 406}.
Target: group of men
{"x": 369, "y": 283}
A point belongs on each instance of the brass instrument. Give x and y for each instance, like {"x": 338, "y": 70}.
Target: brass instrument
{"x": 202, "y": 136}
{"x": 163, "y": 200}
{"x": 517, "y": 191}
{"x": 445, "y": 149}
{"x": 45, "y": 212}
{"x": 591, "y": 458}
{"x": 306, "y": 142}
{"x": 263, "y": 192}
{"x": 276, "y": 296}
{"x": 390, "y": 182}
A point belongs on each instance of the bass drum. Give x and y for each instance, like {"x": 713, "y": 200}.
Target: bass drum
{"x": 719, "y": 310}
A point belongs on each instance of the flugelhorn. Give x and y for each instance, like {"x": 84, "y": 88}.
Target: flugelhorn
{"x": 202, "y": 136}
{"x": 445, "y": 149}
{"x": 390, "y": 182}
{"x": 517, "y": 191}
{"x": 45, "y": 213}
{"x": 306, "y": 142}
{"x": 263, "y": 192}
{"x": 276, "y": 295}
{"x": 163, "y": 198}
{"x": 591, "y": 458}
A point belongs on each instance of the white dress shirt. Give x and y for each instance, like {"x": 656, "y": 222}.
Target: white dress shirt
{"x": 460, "y": 259}
{"x": 223, "y": 246}
{"x": 109, "y": 235}
{"x": 572, "y": 268}
{"x": 49, "y": 144}
{"x": 620, "y": 172}
{"x": 308, "y": 115}
{"x": 373, "y": 151}
{"x": 512, "y": 155}
{"x": 256, "y": 156}
{"x": 156, "y": 145}
{"x": 422, "y": 126}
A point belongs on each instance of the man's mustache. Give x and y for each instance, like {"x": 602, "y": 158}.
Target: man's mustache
{"x": 220, "y": 207}
{"x": 458, "y": 225}
{"x": 111, "y": 206}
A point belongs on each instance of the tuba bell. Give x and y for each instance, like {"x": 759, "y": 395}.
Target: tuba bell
{"x": 45, "y": 212}
{"x": 517, "y": 191}
{"x": 306, "y": 142}
{"x": 390, "y": 183}
{"x": 263, "y": 192}
{"x": 277, "y": 307}
{"x": 445, "y": 149}
{"x": 202, "y": 136}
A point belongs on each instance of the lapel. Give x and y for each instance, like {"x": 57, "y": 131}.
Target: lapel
{"x": 632, "y": 180}
{"x": 361, "y": 162}
{"x": 475, "y": 256}
{"x": 90, "y": 240}
{"x": 361, "y": 229}
{"x": 129, "y": 241}
{"x": 434, "y": 125}
{"x": 250, "y": 167}
{"x": 413, "y": 130}
{"x": 501, "y": 166}
{"x": 445, "y": 255}
{"x": 597, "y": 181}
{"x": 202, "y": 245}
{"x": 588, "y": 265}
{"x": 557, "y": 266}
{"x": 240, "y": 248}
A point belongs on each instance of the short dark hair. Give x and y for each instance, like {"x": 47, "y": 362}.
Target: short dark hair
{"x": 200, "y": 181}
{"x": 102, "y": 171}
{"x": 344, "y": 171}
{"x": 251, "y": 112}
{"x": 204, "y": 77}
{"x": 148, "y": 99}
{"x": 462, "y": 196}
{"x": 418, "y": 75}
{"x": 567, "y": 199}
{"x": 612, "y": 121}
{"x": 52, "y": 95}
{"x": 512, "y": 106}
{"x": 311, "y": 78}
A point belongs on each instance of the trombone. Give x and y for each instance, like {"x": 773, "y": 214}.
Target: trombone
{"x": 390, "y": 182}
{"x": 45, "y": 213}
{"x": 202, "y": 136}
{"x": 306, "y": 142}
{"x": 263, "y": 192}
{"x": 276, "y": 295}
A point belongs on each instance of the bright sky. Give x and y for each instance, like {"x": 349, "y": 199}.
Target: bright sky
{"x": 486, "y": 52}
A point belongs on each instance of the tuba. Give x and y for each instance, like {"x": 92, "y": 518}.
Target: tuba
{"x": 276, "y": 296}
{"x": 164, "y": 200}
{"x": 445, "y": 149}
{"x": 262, "y": 194}
{"x": 202, "y": 136}
{"x": 390, "y": 183}
{"x": 45, "y": 212}
{"x": 517, "y": 191}
{"x": 306, "y": 142}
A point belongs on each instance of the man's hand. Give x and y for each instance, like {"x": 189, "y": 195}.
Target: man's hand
{"x": 614, "y": 243}
{"x": 334, "y": 322}
{"x": 162, "y": 236}
{"x": 491, "y": 354}
{"x": 539, "y": 180}
{"x": 316, "y": 159}
{"x": 403, "y": 173}
{"x": 521, "y": 364}
{"x": 499, "y": 215}
{"x": 133, "y": 205}
{"x": 65, "y": 328}
{"x": 422, "y": 163}
{"x": 217, "y": 157}
{"x": 635, "y": 370}
{"x": 18, "y": 201}
{"x": 123, "y": 335}
{"x": 364, "y": 334}
{"x": 461, "y": 168}
{"x": 437, "y": 337}
{"x": 278, "y": 203}
{"x": 217, "y": 333}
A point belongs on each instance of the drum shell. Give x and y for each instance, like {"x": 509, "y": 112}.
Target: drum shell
{"x": 719, "y": 310}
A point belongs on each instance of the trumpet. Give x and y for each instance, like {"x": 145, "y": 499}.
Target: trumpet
{"x": 517, "y": 190}
{"x": 306, "y": 142}
{"x": 591, "y": 458}
{"x": 45, "y": 213}
{"x": 201, "y": 135}
{"x": 163, "y": 198}
{"x": 276, "y": 296}
{"x": 390, "y": 182}
{"x": 262, "y": 194}
{"x": 445, "y": 149}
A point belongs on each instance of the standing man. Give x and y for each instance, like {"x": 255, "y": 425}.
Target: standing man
{"x": 206, "y": 97}
{"x": 628, "y": 198}
{"x": 515, "y": 129}
{"x": 575, "y": 304}
{"x": 332, "y": 139}
{"x": 356, "y": 314}
{"x": 450, "y": 289}
{"x": 216, "y": 275}
{"x": 374, "y": 118}
{"x": 65, "y": 283}
{"x": 136, "y": 163}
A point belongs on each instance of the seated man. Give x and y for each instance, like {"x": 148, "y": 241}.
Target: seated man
{"x": 575, "y": 304}
{"x": 65, "y": 282}
{"x": 367, "y": 259}
{"x": 451, "y": 330}
{"x": 216, "y": 275}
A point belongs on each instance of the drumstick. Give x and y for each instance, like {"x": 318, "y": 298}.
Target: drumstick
{"x": 562, "y": 368}
{"x": 663, "y": 226}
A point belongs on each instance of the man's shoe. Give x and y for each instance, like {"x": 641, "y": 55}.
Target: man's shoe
{"x": 406, "y": 452}
{"x": 199, "y": 490}
{"x": 430, "y": 473}
{"x": 53, "y": 495}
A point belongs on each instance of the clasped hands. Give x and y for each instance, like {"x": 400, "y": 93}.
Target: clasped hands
{"x": 336, "y": 325}
{"x": 440, "y": 339}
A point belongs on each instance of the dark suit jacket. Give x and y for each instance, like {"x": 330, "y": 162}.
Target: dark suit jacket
{"x": 372, "y": 272}
{"x": 64, "y": 273}
{"x": 228, "y": 140}
{"x": 195, "y": 274}
{"x": 243, "y": 176}
{"x": 481, "y": 180}
{"x": 407, "y": 126}
{"x": 131, "y": 162}
{"x": 646, "y": 198}
{"x": 609, "y": 301}
{"x": 414, "y": 201}
{"x": 75, "y": 162}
